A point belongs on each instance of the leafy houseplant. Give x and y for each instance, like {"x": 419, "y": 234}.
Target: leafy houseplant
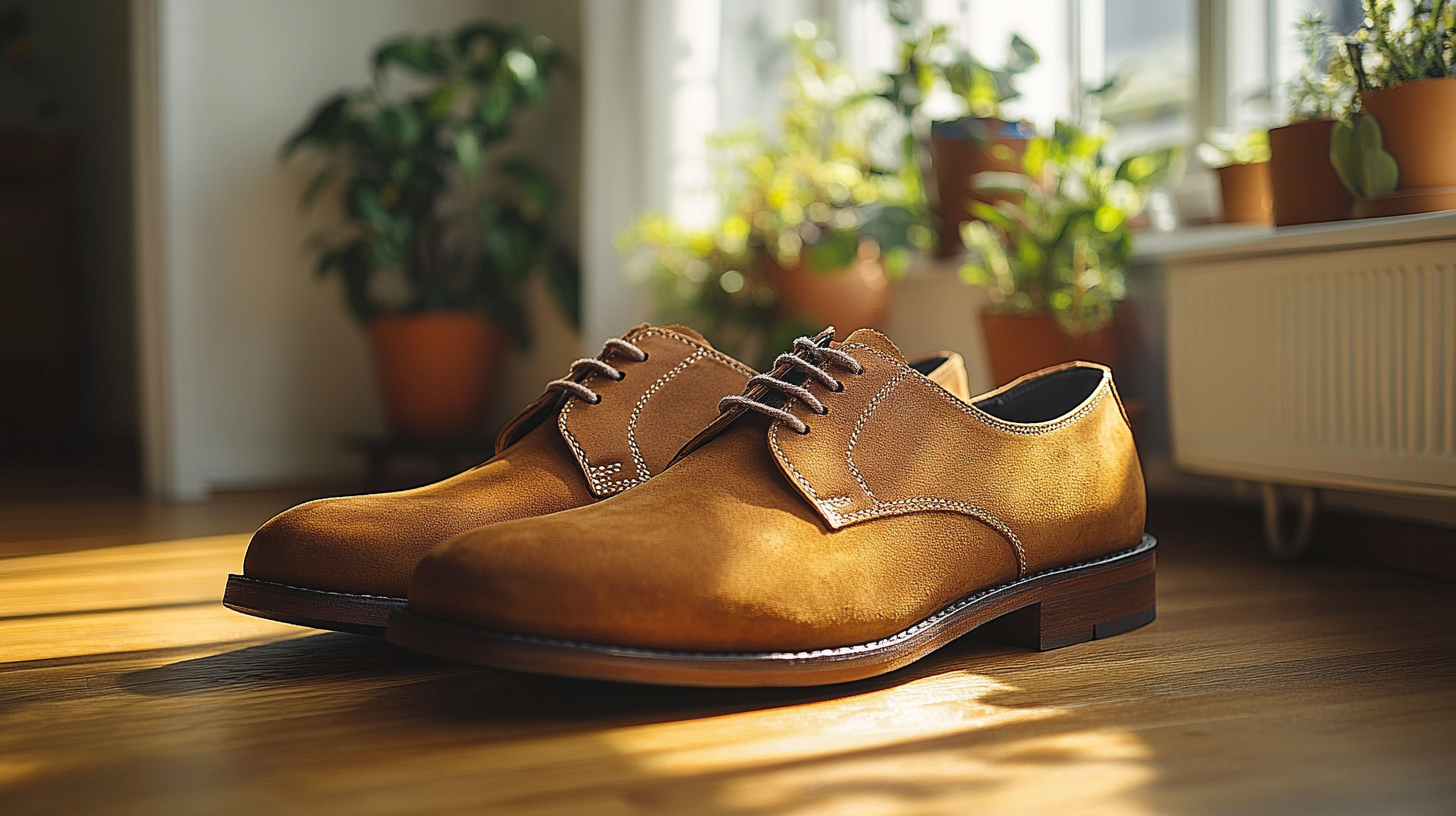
{"x": 437, "y": 229}
{"x": 1053, "y": 262}
{"x": 811, "y": 230}
{"x": 1242, "y": 164}
{"x": 976, "y": 140}
{"x": 1305, "y": 188}
{"x": 1406, "y": 74}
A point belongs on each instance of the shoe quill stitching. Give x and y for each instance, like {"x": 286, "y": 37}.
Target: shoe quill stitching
{"x": 808, "y": 357}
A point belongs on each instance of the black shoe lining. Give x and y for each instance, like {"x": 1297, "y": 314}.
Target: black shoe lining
{"x": 1045, "y": 398}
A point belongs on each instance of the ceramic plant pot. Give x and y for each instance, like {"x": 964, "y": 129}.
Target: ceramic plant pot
{"x": 961, "y": 149}
{"x": 1020, "y": 344}
{"x": 1406, "y": 202}
{"x": 1246, "y": 196}
{"x": 1418, "y": 122}
{"x": 854, "y": 297}
{"x": 437, "y": 371}
{"x": 1304, "y": 185}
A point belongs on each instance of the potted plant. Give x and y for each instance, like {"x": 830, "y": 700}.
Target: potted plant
{"x": 1242, "y": 164}
{"x": 1303, "y": 183}
{"x": 1406, "y": 74}
{"x": 812, "y": 230}
{"x": 439, "y": 234}
{"x": 980, "y": 140}
{"x": 1053, "y": 262}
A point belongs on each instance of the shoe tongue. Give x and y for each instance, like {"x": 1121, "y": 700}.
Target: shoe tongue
{"x": 876, "y": 341}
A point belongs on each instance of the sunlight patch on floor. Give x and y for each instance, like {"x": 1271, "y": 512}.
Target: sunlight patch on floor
{"x": 138, "y": 597}
{"x": 923, "y": 709}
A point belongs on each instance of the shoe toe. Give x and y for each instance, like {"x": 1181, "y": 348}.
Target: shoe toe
{"x": 328, "y": 544}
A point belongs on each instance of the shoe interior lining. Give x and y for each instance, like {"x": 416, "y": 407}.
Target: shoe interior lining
{"x": 929, "y": 364}
{"x": 1045, "y": 398}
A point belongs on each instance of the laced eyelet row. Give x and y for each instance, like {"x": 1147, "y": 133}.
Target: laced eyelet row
{"x": 598, "y": 365}
{"x": 808, "y": 357}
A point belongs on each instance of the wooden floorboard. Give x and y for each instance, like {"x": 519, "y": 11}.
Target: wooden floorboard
{"x": 125, "y": 688}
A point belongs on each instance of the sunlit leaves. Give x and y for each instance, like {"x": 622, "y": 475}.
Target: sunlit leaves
{"x": 1062, "y": 246}
{"x": 411, "y": 152}
{"x": 424, "y": 56}
{"x": 467, "y": 151}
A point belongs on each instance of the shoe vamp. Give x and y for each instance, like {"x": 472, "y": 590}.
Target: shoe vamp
{"x": 370, "y": 544}
{"x": 718, "y": 553}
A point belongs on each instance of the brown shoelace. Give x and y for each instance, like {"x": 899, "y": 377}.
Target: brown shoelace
{"x": 599, "y": 365}
{"x": 808, "y": 357}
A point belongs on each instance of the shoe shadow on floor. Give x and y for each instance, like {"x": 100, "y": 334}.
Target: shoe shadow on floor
{"x": 377, "y": 677}
{"x": 325, "y": 656}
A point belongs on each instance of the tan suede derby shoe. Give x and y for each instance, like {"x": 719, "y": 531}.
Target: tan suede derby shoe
{"x": 345, "y": 563}
{"x": 612, "y": 423}
{"x": 843, "y": 517}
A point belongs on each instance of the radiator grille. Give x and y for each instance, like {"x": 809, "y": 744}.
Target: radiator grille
{"x": 1334, "y": 368}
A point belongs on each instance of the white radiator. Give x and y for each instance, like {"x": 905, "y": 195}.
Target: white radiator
{"x": 1322, "y": 357}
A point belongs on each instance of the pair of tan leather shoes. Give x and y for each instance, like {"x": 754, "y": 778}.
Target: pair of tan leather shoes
{"x": 845, "y": 514}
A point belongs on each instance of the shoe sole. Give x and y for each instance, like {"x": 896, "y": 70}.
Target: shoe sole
{"x": 317, "y": 608}
{"x": 1051, "y": 609}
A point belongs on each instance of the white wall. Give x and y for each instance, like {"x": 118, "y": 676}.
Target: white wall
{"x": 254, "y": 373}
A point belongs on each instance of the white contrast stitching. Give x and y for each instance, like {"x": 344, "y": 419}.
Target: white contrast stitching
{"x": 604, "y": 486}
{"x": 882, "y": 508}
{"x": 859, "y": 426}
{"x": 637, "y": 458}
{"x": 1001, "y": 424}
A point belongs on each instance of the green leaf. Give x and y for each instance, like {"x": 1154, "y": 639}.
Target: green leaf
{"x": 1148, "y": 169}
{"x": 833, "y": 252}
{"x": 1022, "y": 56}
{"x": 322, "y": 126}
{"x": 510, "y": 243}
{"x": 1360, "y": 159}
{"x": 441, "y": 102}
{"x": 521, "y": 65}
{"x": 539, "y": 192}
{"x": 467, "y": 151}
{"x": 419, "y": 55}
{"x": 1108, "y": 218}
{"x": 563, "y": 278}
{"x": 495, "y": 109}
{"x": 400, "y": 124}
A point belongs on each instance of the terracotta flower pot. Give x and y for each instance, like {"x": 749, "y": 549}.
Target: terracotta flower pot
{"x": 437, "y": 370}
{"x": 1246, "y": 197}
{"x": 855, "y": 297}
{"x": 1418, "y": 121}
{"x": 961, "y": 149}
{"x": 1305, "y": 187}
{"x": 1020, "y": 344}
{"x": 1406, "y": 202}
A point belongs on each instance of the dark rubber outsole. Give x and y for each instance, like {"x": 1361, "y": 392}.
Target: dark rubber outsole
{"x": 1048, "y": 610}
{"x": 317, "y": 608}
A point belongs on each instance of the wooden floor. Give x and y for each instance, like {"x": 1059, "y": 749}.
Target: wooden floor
{"x": 127, "y": 689}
